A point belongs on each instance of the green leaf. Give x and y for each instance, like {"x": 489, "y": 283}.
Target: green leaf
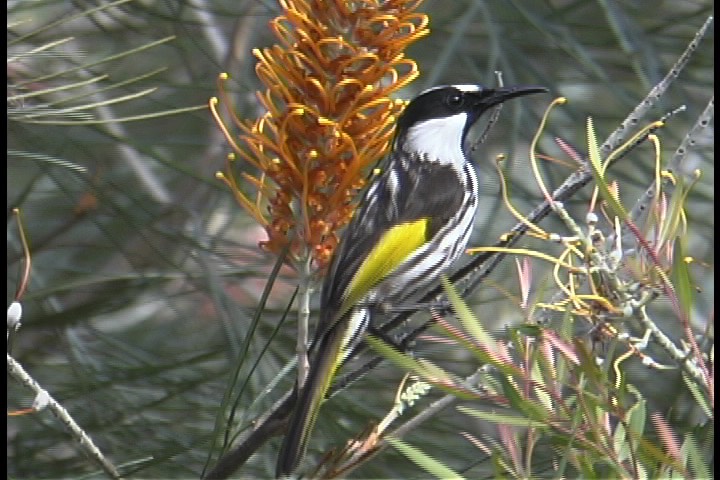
{"x": 530, "y": 330}
{"x": 694, "y": 457}
{"x": 682, "y": 283}
{"x": 699, "y": 395}
{"x": 426, "y": 369}
{"x": 430, "y": 464}
{"x": 540, "y": 387}
{"x": 502, "y": 418}
{"x": 598, "y": 171}
{"x": 620, "y": 444}
{"x": 626, "y": 441}
{"x": 469, "y": 322}
{"x": 636, "y": 418}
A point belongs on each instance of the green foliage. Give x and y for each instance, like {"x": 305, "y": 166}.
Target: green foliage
{"x": 580, "y": 419}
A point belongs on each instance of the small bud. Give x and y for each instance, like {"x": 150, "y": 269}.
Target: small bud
{"x": 14, "y": 314}
{"x": 648, "y": 362}
{"x": 41, "y": 401}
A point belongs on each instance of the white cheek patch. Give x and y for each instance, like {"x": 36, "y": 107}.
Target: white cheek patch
{"x": 439, "y": 138}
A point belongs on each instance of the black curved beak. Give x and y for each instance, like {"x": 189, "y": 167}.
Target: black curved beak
{"x": 494, "y": 96}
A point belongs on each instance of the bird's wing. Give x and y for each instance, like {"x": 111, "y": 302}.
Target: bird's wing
{"x": 405, "y": 206}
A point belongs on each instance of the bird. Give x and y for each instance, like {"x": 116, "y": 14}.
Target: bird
{"x": 412, "y": 223}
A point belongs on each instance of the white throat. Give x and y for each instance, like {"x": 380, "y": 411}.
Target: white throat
{"x": 439, "y": 138}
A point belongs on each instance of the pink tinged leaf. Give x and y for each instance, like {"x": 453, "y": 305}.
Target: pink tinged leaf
{"x": 525, "y": 277}
{"x": 567, "y": 350}
{"x": 569, "y": 150}
{"x": 509, "y": 439}
{"x": 665, "y": 433}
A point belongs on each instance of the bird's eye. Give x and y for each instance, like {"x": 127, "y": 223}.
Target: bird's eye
{"x": 455, "y": 100}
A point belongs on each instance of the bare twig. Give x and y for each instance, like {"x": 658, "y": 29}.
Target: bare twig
{"x": 44, "y": 399}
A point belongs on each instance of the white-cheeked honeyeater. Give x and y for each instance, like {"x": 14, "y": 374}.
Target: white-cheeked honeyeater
{"x": 412, "y": 224}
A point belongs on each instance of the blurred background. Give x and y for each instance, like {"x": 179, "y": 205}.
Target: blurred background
{"x": 146, "y": 272}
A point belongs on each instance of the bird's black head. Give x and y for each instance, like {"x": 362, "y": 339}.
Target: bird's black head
{"x": 439, "y": 118}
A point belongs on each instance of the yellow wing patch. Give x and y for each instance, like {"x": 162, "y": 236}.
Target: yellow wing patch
{"x": 396, "y": 245}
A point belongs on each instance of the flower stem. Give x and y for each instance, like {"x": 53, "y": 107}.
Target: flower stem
{"x": 304, "y": 293}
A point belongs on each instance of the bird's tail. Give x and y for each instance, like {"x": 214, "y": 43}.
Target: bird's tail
{"x": 322, "y": 370}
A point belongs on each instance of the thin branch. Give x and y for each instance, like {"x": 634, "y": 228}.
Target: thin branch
{"x": 44, "y": 399}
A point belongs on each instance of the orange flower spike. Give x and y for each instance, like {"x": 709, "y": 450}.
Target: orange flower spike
{"x": 328, "y": 117}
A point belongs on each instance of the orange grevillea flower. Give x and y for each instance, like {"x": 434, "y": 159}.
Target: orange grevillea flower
{"x": 328, "y": 116}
